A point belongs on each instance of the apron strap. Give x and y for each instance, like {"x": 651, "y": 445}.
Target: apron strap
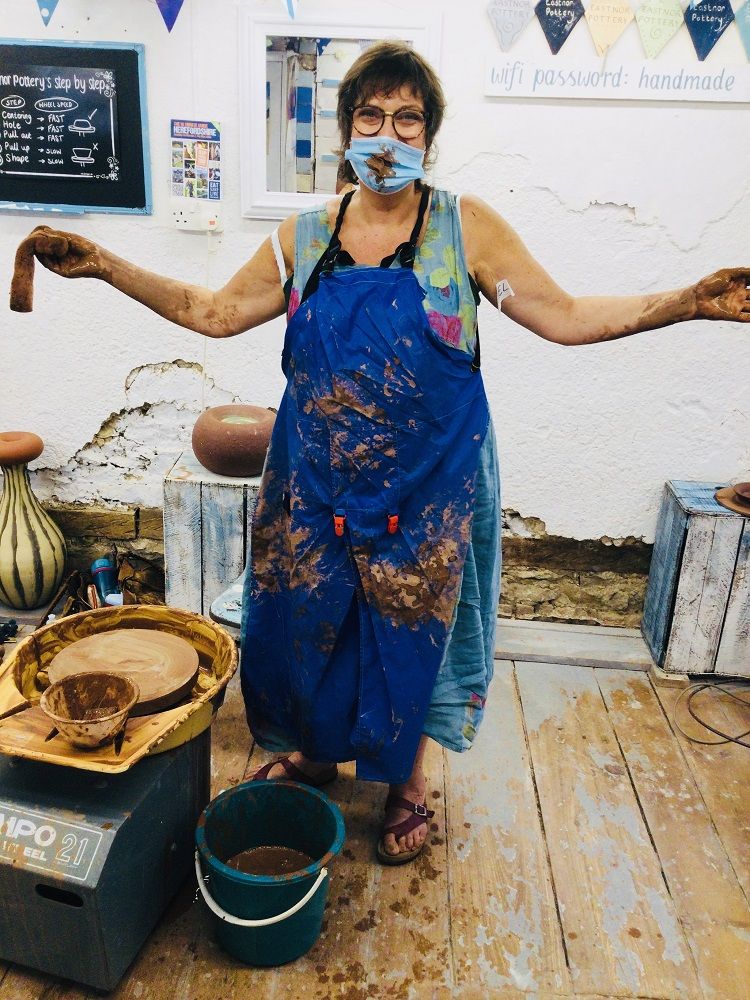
{"x": 334, "y": 254}
{"x": 476, "y": 363}
{"x": 328, "y": 258}
{"x": 406, "y": 251}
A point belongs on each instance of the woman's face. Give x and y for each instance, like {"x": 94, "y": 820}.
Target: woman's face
{"x": 402, "y": 100}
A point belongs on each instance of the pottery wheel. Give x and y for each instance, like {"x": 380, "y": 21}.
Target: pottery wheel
{"x": 163, "y": 665}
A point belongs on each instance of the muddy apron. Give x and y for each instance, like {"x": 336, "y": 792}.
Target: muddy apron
{"x": 363, "y": 519}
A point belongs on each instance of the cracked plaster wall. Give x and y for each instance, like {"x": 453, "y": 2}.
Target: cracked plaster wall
{"x": 611, "y": 197}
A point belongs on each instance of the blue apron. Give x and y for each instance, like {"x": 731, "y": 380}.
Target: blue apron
{"x": 363, "y": 519}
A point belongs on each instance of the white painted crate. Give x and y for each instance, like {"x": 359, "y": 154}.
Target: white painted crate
{"x": 696, "y": 618}
{"x": 207, "y": 522}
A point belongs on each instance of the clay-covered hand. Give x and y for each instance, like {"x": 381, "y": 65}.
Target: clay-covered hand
{"x": 67, "y": 254}
{"x": 724, "y": 295}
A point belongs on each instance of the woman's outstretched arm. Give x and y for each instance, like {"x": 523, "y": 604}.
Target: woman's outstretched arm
{"x": 495, "y": 253}
{"x": 253, "y": 296}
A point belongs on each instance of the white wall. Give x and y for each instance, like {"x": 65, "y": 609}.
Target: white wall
{"x": 611, "y": 197}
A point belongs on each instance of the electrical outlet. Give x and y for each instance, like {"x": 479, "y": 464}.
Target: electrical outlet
{"x": 184, "y": 218}
{"x": 194, "y": 216}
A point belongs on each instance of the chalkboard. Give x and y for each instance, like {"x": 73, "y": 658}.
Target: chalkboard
{"x": 73, "y": 127}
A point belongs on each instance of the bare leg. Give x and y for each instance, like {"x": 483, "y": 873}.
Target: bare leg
{"x": 414, "y": 790}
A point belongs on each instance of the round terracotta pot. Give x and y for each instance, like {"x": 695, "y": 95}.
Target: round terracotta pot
{"x": 232, "y": 440}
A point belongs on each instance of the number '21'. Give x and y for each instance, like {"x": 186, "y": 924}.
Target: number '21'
{"x": 69, "y": 845}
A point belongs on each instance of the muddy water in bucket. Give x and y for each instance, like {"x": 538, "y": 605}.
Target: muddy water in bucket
{"x": 254, "y": 923}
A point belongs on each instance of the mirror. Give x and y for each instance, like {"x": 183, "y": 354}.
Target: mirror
{"x": 289, "y": 76}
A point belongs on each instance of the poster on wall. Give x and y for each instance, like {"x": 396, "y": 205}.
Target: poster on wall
{"x": 73, "y": 127}
{"x": 59, "y": 121}
{"x": 196, "y": 159}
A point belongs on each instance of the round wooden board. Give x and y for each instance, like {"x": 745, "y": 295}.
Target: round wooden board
{"x": 163, "y": 665}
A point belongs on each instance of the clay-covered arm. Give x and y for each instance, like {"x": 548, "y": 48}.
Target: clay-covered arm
{"x": 495, "y": 253}
{"x": 41, "y": 240}
{"x": 253, "y": 296}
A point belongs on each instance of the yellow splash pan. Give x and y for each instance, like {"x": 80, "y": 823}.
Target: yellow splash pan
{"x": 23, "y": 678}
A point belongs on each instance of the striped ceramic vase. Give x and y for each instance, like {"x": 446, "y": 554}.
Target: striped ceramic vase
{"x": 32, "y": 548}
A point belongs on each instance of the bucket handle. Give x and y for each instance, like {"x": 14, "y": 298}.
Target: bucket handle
{"x": 242, "y": 922}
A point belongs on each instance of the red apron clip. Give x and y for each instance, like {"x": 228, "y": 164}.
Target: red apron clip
{"x": 338, "y": 522}
{"x": 392, "y": 524}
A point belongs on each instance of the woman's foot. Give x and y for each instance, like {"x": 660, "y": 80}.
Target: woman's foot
{"x": 296, "y": 767}
{"x": 413, "y": 790}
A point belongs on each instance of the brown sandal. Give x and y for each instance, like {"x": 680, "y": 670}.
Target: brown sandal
{"x": 420, "y": 816}
{"x": 295, "y": 774}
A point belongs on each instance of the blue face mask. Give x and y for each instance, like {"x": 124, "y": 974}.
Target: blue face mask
{"x": 385, "y": 165}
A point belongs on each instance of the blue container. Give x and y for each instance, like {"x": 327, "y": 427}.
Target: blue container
{"x": 267, "y": 919}
{"x": 104, "y": 575}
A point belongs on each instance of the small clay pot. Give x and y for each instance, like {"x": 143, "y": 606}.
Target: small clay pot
{"x": 233, "y": 440}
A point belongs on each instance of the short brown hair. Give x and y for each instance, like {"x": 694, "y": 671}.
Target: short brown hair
{"x": 382, "y": 69}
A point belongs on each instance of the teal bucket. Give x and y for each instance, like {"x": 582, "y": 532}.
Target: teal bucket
{"x": 267, "y": 919}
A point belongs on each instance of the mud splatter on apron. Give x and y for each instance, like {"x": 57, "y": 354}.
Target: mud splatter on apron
{"x": 363, "y": 521}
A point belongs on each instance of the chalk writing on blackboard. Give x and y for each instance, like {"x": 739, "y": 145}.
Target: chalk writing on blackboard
{"x": 59, "y": 121}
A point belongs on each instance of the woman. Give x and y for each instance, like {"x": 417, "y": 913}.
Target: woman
{"x": 371, "y": 598}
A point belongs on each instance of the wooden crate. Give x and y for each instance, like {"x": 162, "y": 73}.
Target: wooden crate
{"x": 206, "y": 532}
{"x": 696, "y": 618}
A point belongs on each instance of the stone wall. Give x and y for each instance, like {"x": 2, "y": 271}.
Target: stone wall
{"x": 135, "y": 533}
{"x": 545, "y": 577}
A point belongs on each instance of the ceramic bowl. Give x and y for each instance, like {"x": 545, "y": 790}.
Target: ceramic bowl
{"x": 89, "y": 709}
{"x": 743, "y": 491}
{"x": 232, "y": 440}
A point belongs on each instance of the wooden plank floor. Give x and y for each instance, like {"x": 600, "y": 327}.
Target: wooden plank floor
{"x": 582, "y": 849}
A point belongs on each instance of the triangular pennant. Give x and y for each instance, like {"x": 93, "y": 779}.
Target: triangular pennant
{"x": 707, "y": 21}
{"x": 291, "y": 7}
{"x": 607, "y": 19}
{"x": 558, "y": 18}
{"x": 170, "y": 10}
{"x": 658, "y": 21}
{"x": 742, "y": 17}
{"x": 47, "y": 9}
{"x": 509, "y": 18}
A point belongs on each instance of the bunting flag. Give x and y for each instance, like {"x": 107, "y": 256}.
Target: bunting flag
{"x": 607, "y": 19}
{"x": 658, "y": 21}
{"x": 170, "y": 10}
{"x": 742, "y": 17}
{"x": 290, "y": 6}
{"x": 509, "y": 18}
{"x": 707, "y": 20}
{"x": 558, "y": 18}
{"x": 47, "y": 9}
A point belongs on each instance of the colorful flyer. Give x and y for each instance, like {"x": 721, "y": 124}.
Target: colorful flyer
{"x": 196, "y": 159}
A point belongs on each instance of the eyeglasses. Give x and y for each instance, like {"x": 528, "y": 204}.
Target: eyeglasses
{"x": 407, "y": 123}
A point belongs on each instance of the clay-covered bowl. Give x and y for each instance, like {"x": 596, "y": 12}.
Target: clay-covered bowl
{"x": 232, "y": 440}
{"x": 89, "y": 709}
{"x": 743, "y": 491}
